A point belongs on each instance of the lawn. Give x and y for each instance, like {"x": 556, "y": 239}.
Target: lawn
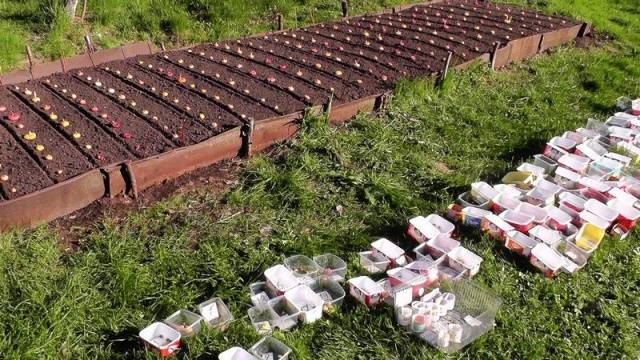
{"x": 414, "y": 158}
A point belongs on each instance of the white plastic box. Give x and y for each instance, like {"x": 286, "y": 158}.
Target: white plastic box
{"x": 162, "y": 338}
{"x": 307, "y": 302}
{"x": 366, "y": 290}
{"x": 390, "y": 250}
{"x": 467, "y": 258}
{"x": 236, "y": 353}
{"x": 280, "y": 279}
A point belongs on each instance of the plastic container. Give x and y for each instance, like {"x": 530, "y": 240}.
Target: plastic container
{"x": 548, "y": 164}
{"x": 504, "y": 202}
{"x": 425, "y": 253}
{"x": 510, "y": 190}
{"x": 593, "y": 188}
{"x": 572, "y": 201}
{"x": 575, "y": 163}
{"x": 330, "y": 291}
{"x": 587, "y": 217}
{"x": 421, "y": 230}
{"x": 572, "y": 253}
{"x": 546, "y": 259}
{"x": 307, "y": 302}
{"x": 441, "y": 245}
{"x": 331, "y": 267}
{"x": 539, "y": 214}
{"x": 280, "y": 279}
{"x": 601, "y": 210}
{"x": 589, "y": 237}
{"x": 366, "y": 290}
{"x": 469, "y": 260}
{"x": 618, "y": 134}
{"x": 260, "y": 293}
{"x": 301, "y": 265}
{"x": 236, "y": 353}
{"x": 444, "y": 226}
{"x": 623, "y": 160}
{"x": 597, "y": 126}
{"x": 465, "y": 200}
{"x": 185, "y": 322}
{"x": 473, "y": 216}
{"x": 547, "y": 236}
{"x": 426, "y": 268}
{"x": 287, "y": 315}
{"x": 520, "y": 221}
{"x": 575, "y": 136}
{"x": 617, "y": 121}
{"x": 392, "y": 251}
{"x": 215, "y": 314}
{"x": 604, "y": 168}
{"x": 449, "y": 269}
{"x": 557, "y": 146}
{"x": 635, "y": 107}
{"x": 262, "y": 318}
{"x": 161, "y": 338}
{"x": 536, "y": 170}
{"x": 539, "y": 197}
{"x": 496, "y": 227}
{"x": 623, "y": 196}
{"x": 269, "y": 348}
{"x": 521, "y": 179}
{"x": 405, "y": 277}
{"x": 566, "y": 178}
{"x": 374, "y": 262}
{"x": 558, "y": 219}
{"x": 587, "y": 133}
{"x": 482, "y": 192}
{"x": 627, "y": 214}
{"x": 591, "y": 149}
{"x": 520, "y": 243}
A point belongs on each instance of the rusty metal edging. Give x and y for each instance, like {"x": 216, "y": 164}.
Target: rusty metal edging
{"x": 341, "y": 113}
{"x": 559, "y": 37}
{"x": 53, "y": 202}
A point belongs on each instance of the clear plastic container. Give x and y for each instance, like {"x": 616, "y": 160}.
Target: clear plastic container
{"x": 473, "y": 216}
{"x": 442, "y": 224}
{"x": 331, "y": 266}
{"x": 566, "y": 178}
{"x": 236, "y": 353}
{"x": 307, "y": 302}
{"x": 548, "y": 164}
{"x": 597, "y": 126}
{"x": 185, "y": 322}
{"x": 470, "y": 260}
{"x": 426, "y": 268}
{"x": 568, "y": 249}
{"x": 269, "y": 348}
{"x": 496, "y": 227}
{"x": 545, "y": 235}
{"x": 482, "y": 192}
{"x": 162, "y": 338}
{"x": 449, "y": 269}
{"x": 330, "y": 291}
{"x": 536, "y": 170}
{"x": 621, "y": 159}
{"x": 546, "y": 259}
{"x": 260, "y": 293}
{"x": 441, "y": 245}
{"x": 602, "y": 210}
{"x": 366, "y": 290}
{"x": 591, "y": 149}
{"x": 465, "y": 200}
{"x": 301, "y": 265}
{"x": 520, "y": 243}
{"x": 628, "y": 215}
{"x": 617, "y": 134}
{"x": 594, "y": 185}
{"x": 539, "y": 214}
{"x": 575, "y": 136}
{"x": 287, "y": 315}
{"x": 215, "y": 314}
{"x": 520, "y": 221}
{"x": 617, "y": 121}
{"x": 558, "y": 219}
{"x": 563, "y": 143}
{"x": 425, "y": 253}
{"x": 553, "y": 151}
{"x": 504, "y": 202}
{"x": 392, "y": 251}
{"x": 589, "y": 237}
{"x": 572, "y": 201}
{"x": 421, "y": 230}
{"x": 623, "y": 196}
{"x": 406, "y": 278}
{"x": 263, "y": 318}
{"x": 521, "y": 179}
{"x": 587, "y": 217}
{"x": 374, "y": 262}
{"x": 280, "y": 279}
{"x": 574, "y": 163}
{"x": 510, "y": 190}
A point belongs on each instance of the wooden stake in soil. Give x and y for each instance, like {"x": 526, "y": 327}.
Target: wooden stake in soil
{"x": 89, "y": 44}
{"x": 345, "y": 8}
{"x": 280, "y": 20}
{"x": 84, "y": 10}
{"x": 64, "y": 70}
{"x": 494, "y": 55}
{"x": 30, "y": 56}
{"x": 163, "y": 47}
{"x": 248, "y": 139}
{"x": 329, "y": 106}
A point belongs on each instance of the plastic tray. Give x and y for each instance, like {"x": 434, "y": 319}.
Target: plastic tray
{"x": 331, "y": 266}
{"x": 223, "y": 318}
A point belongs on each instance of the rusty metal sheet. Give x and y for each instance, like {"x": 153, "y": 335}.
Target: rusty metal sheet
{"x": 52, "y": 202}
{"x": 559, "y": 37}
{"x": 115, "y": 181}
{"x": 107, "y": 55}
{"x": 16, "y": 77}
{"x": 503, "y": 56}
{"x": 46, "y": 69}
{"x": 524, "y": 48}
{"x": 135, "y": 49}
{"x": 156, "y": 169}
{"x": 270, "y": 131}
{"x": 77, "y": 62}
{"x": 340, "y": 114}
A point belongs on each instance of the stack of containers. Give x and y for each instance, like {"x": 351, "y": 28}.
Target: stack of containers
{"x": 556, "y": 209}
{"x": 300, "y": 289}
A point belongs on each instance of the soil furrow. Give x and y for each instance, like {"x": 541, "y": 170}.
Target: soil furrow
{"x": 517, "y": 13}
{"x": 140, "y": 138}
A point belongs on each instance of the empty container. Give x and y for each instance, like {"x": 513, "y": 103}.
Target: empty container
{"x": 269, "y": 348}
{"x": 392, "y": 251}
{"x": 539, "y": 214}
{"x": 597, "y": 126}
{"x": 548, "y": 164}
{"x": 280, "y": 279}
{"x": 602, "y": 210}
{"x": 520, "y": 243}
{"x": 425, "y": 253}
{"x": 442, "y": 224}
{"x": 504, "y": 202}
{"x": 449, "y": 269}
{"x": 263, "y": 318}
{"x": 306, "y": 301}
{"x": 496, "y": 227}
{"x": 546, "y": 259}
{"x": 547, "y": 236}
{"x": 467, "y": 258}
{"x": 520, "y": 221}
{"x": 521, "y": 179}
{"x": 568, "y": 250}
{"x": 301, "y": 265}
{"x": 330, "y": 291}
{"x": 374, "y": 262}
{"x": 236, "y": 353}
{"x": 482, "y": 192}
{"x": 366, "y": 290}
{"x": 185, "y": 322}
{"x": 287, "y": 315}
{"x": 589, "y": 237}
{"x": 420, "y": 229}
{"x": 215, "y": 314}
{"x": 331, "y": 266}
{"x": 426, "y": 268}
{"x": 441, "y": 245}
{"x": 162, "y": 338}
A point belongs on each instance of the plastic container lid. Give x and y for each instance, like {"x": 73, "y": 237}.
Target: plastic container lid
{"x": 595, "y": 220}
{"x": 558, "y": 215}
{"x": 623, "y": 196}
{"x": 572, "y": 200}
{"x": 516, "y": 217}
{"x": 596, "y": 185}
{"x": 506, "y": 201}
{"x": 547, "y": 236}
{"x": 549, "y": 257}
{"x": 547, "y": 187}
{"x": 625, "y": 209}
{"x": 568, "y": 174}
{"x": 534, "y": 169}
{"x": 601, "y": 210}
{"x": 539, "y": 214}
{"x": 425, "y": 227}
{"x": 366, "y": 285}
{"x": 387, "y": 248}
{"x": 563, "y": 143}
{"x": 574, "y": 162}
{"x": 441, "y": 223}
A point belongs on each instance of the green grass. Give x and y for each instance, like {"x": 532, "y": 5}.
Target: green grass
{"x": 381, "y": 170}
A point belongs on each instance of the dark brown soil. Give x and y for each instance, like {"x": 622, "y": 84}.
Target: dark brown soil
{"x": 139, "y": 137}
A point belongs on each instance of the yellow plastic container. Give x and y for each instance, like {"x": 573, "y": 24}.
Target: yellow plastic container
{"x": 521, "y": 179}
{"x": 589, "y": 237}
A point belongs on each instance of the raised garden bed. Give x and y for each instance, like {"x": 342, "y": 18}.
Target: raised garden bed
{"x": 124, "y": 119}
